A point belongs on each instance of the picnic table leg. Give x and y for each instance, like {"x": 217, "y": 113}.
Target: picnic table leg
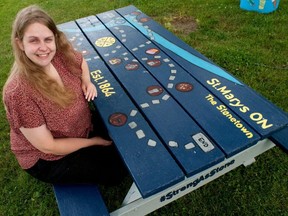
{"x": 132, "y": 195}
{"x": 249, "y": 162}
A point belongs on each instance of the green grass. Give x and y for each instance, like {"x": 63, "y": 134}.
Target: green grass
{"x": 252, "y": 46}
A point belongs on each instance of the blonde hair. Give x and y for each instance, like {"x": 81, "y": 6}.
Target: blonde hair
{"x": 34, "y": 73}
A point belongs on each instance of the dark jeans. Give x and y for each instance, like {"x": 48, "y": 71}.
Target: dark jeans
{"x": 95, "y": 164}
{"x": 99, "y": 165}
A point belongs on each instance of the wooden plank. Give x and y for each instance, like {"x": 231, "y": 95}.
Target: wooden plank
{"x": 129, "y": 130}
{"x": 212, "y": 115}
{"x": 259, "y": 113}
{"x": 167, "y": 117}
{"x": 80, "y": 200}
{"x": 280, "y": 138}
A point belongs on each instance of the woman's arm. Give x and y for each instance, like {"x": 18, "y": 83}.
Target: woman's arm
{"x": 88, "y": 87}
{"x": 42, "y": 139}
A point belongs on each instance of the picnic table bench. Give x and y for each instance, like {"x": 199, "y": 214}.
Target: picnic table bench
{"x": 177, "y": 119}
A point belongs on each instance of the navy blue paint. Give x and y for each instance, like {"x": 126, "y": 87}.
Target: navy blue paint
{"x": 280, "y": 138}
{"x": 246, "y": 95}
{"x": 131, "y": 148}
{"x": 168, "y": 118}
{"x": 194, "y": 102}
{"x": 80, "y": 200}
{"x": 169, "y": 44}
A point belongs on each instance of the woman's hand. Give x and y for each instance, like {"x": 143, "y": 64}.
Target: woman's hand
{"x": 88, "y": 87}
{"x": 42, "y": 139}
{"x": 89, "y": 90}
{"x": 100, "y": 141}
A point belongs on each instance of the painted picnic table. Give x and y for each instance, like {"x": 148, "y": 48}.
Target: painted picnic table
{"x": 177, "y": 119}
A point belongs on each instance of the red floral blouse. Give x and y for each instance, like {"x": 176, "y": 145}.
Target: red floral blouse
{"x": 27, "y": 108}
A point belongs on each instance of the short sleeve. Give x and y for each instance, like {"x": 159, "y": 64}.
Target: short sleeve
{"x": 79, "y": 58}
{"x": 76, "y": 67}
{"x": 23, "y": 111}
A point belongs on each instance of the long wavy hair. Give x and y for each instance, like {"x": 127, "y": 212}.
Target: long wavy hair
{"x": 32, "y": 72}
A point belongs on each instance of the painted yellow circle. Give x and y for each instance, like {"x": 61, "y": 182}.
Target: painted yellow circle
{"x": 105, "y": 41}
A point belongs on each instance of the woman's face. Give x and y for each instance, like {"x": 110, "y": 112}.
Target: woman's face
{"x": 38, "y": 44}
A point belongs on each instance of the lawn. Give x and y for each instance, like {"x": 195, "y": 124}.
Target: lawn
{"x": 252, "y": 46}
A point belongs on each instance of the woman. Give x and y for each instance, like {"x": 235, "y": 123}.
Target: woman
{"x": 45, "y": 98}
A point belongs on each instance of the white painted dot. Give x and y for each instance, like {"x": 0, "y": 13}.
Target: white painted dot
{"x": 140, "y": 134}
{"x": 152, "y": 143}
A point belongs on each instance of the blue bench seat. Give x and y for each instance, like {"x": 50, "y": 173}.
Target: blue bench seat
{"x": 80, "y": 200}
{"x": 280, "y": 138}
